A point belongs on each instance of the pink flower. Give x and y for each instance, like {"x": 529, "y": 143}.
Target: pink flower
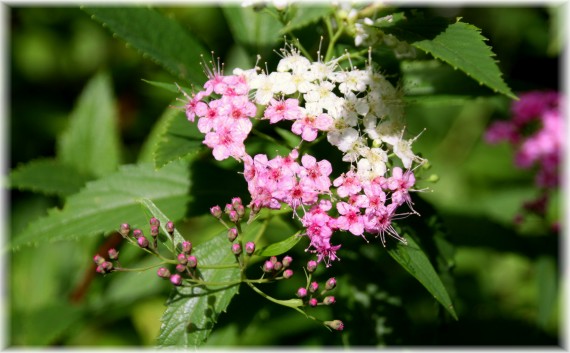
{"x": 193, "y": 101}
{"x": 379, "y": 221}
{"x": 501, "y": 131}
{"x": 282, "y": 110}
{"x": 308, "y": 126}
{"x": 208, "y": 114}
{"x": 350, "y": 218}
{"x": 316, "y": 173}
{"x": 400, "y": 183}
{"x": 226, "y": 141}
{"x": 347, "y": 184}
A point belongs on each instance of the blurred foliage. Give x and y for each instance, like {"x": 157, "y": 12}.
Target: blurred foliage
{"x": 505, "y": 281}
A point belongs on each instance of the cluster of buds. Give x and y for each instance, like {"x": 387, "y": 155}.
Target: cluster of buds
{"x": 311, "y": 295}
{"x": 186, "y": 266}
{"x": 104, "y": 266}
{"x": 273, "y": 267}
{"x": 234, "y": 211}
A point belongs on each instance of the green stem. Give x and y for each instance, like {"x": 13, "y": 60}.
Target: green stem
{"x": 217, "y": 267}
{"x": 303, "y": 50}
{"x": 270, "y": 138}
{"x": 121, "y": 269}
{"x": 335, "y": 37}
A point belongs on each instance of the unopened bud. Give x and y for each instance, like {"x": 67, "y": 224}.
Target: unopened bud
{"x": 163, "y": 272}
{"x": 236, "y": 248}
{"x": 249, "y": 247}
{"x": 232, "y": 234}
{"x": 228, "y": 208}
{"x": 182, "y": 259}
{"x": 288, "y": 273}
{"x": 268, "y": 266}
{"x": 335, "y": 325}
{"x": 108, "y": 266}
{"x": 113, "y": 254}
{"x": 143, "y": 242}
{"x": 216, "y": 211}
{"x": 176, "y": 279}
{"x": 331, "y": 283}
{"x": 137, "y": 233}
{"x": 313, "y": 302}
{"x": 233, "y": 215}
{"x": 154, "y": 222}
{"x": 311, "y": 266}
{"x": 240, "y": 211}
{"x": 236, "y": 201}
{"x": 287, "y": 261}
{"x": 329, "y": 300}
{"x": 101, "y": 269}
{"x": 125, "y": 229}
{"x": 313, "y": 287}
{"x": 301, "y": 292}
{"x": 192, "y": 261}
{"x": 170, "y": 227}
{"x": 277, "y": 266}
{"x": 186, "y": 247}
{"x": 273, "y": 259}
{"x": 98, "y": 259}
{"x": 154, "y": 231}
{"x": 180, "y": 268}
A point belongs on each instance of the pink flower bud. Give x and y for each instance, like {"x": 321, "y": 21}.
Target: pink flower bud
{"x": 186, "y": 247}
{"x": 216, "y": 211}
{"x": 100, "y": 269}
{"x": 249, "y": 247}
{"x": 313, "y": 302}
{"x": 137, "y": 233}
{"x": 335, "y": 325}
{"x": 288, "y": 273}
{"x": 143, "y": 242}
{"x": 313, "y": 287}
{"x": 240, "y": 211}
{"x": 98, "y": 259}
{"x": 331, "y": 283}
{"x": 287, "y": 261}
{"x": 277, "y": 266}
{"x": 236, "y": 202}
{"x": 176, "y": 279}
{"x": 125, "y": 229}
{"x": 236, "y": 249}
{"x": 108, "y": 266}
{"x": 180, "y": 268}
{"x": 232, "y": 234}
{"x": 273, "y": 259}
{"x": 113, "y": 254}
{"x": 182, "y": 259}
{"x": 154, "y": 222}
{"x": 163, "y": 272}
{"x": 234, "y": 217}
{"x": 268, "y": 266}
{"x": 301, "y": 292}
{"x": 192, "y": 261}
{"x": 228, "y": 208}
{"x": 170, "y": 227}
{"x": 311, "y": 266}
{"x": 154, "y": 231}
{"x": 329, "y": 300}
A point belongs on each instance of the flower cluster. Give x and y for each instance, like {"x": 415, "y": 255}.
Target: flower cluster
{"x": 535, "y": 130}
{"x": 361, "y": 114}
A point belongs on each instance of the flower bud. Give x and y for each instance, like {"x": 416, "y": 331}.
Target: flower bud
{"x": 176, "y": 279}
{"x": 288, "y": 273}
{"x": 180, "y": 268}
{"x": 186, "y": 247}
{"x": 216, "y": 211}
{"x": 313, "y": 287}
{"x": 143, "y": 242}
{"x": 234, "y": 217}
{"x": 273, "y": 259}
{"x": 335, "y": 325}
{"x": 137, "y": 233}
{"x": 311, "y": 266}
{"x": 154, "y": 231}
{"x": 170, "y": 227}
{"x": 236, "y": 201}
{"x": 287, "y": 261}
{"x": 228, "y": 208}
{"x": 154, "y": 222}
{"x": 98, "y": 259}
{"x": 100, "y": 269}
{"x": 329, "y": 300}
{"x": 301, "y": 292}
{"x": 113, "y": 254}
{"x": 108, "y": 266}
{"x": 277, "y": 266}
{"x": 268, "y": 266}
{"x": 313, "y": 302}
{"x": 240, "y": 211}
{"x": 125, "y": 229}
{"x": 249, "y": 247}
{"x": 331, "y": 283}
{"x": 182, "y": 259}
{"x": 163, "y": 272}
{"x": 192, "y": 261}
{"x": 232, "y": 234}
{"x": 236, "y": 248}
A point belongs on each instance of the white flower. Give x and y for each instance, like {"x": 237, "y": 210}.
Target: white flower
{"x": 320, "y": 71}
{"x": 352, "y": 108}
{"x": 390, "y": 131}
{"x": 373, "y": 162}
{"x": 403, "y": 149}
{"x": 343, "y": 139}
{"x": 302, "y": 82}
{"x": 282, "y": 82}
{"x": 293, "y": 61}
{"x": 265, "y": 88}
{"x": 355, "y": 80}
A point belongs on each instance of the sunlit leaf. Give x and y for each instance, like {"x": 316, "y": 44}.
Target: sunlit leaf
{"x": 280, "y": 247}
{"x": 305, "y": 15}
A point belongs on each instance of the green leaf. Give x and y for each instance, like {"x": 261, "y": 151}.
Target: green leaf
{"x": 413, "y": 259}
{"x": 305, "y": 15}
{"x": 91, "y": 141}
{"x": 155, "y": 212}
{"x": 151, "y": 33}
{"x": 258, "y": 32}
{"x": 192, "y": 312}
{"x": 168, "y": 86}
{"x": 106, "y": 203}
{"x": 180, "y": 139}
{"x": 280, "y": 247}
{"x": 146, "y": 154}
{"x": 48, "y": 176}
{"x": 463, "y": 47}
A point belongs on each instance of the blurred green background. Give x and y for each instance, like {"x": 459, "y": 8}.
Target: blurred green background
{"x": 506, "y": 280}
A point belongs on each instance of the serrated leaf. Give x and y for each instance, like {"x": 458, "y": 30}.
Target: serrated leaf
{"x": 154, "y": 211}
{"x": 180, "y": 139}
{"x": 106, "y": 203}
{"x": 91, "y": 141}
{"x": 280, "y": 247}
{"x": 304, "y": 16}
{"x": 463, "y": 47}
{"x": 413, "y": 259}
{"x": 192, "y": 312}
{"x": 48, "y": 176}
{"x": 153, "y": 34}
{"x": 257, "y": 31}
